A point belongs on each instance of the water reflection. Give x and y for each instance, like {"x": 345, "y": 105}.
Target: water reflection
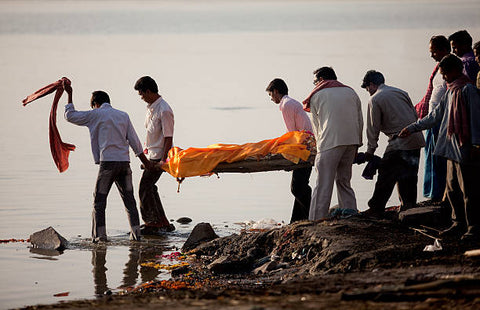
{"x": 133, "y": 272}
{"x": 45, "y": 253}
{"x": 99, "y": 270}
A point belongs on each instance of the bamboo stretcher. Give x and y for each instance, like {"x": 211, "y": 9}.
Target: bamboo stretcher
{"x": 270, "y": 162}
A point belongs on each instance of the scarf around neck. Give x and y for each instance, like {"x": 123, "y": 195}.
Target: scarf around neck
{"x": 322, "y": 85}
{"x": 422, "y": 106}
{"x": 459, "y": 121}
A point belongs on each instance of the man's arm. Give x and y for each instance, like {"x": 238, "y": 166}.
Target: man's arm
{"x": 360, "y": 120}
{"x": 167, "y": 145}
{"x": 80, "y": 118}
{"x": 288, "y": 113}
{"x": 146, "y": 163}
{"x": 168, "y": 123}
{"x": 429, "y": 121}
{"x": 374, "y": 120}
{"x": 68, "y": 89}
{"x": 314, "y": 118}
{"x": 136, "y": 145}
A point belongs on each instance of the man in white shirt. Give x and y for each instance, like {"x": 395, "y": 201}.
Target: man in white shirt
{"x": 111, "y": 134}
{"x": 296, "y": 119}
{"x": 159, "y": 123}
{"x": 434, "y": 179}
{"x": 338, "y": 123}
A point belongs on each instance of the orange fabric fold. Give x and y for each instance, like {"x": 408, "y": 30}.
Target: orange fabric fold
{"x": 190, "y": 162}
{"x": 58, "y": 148}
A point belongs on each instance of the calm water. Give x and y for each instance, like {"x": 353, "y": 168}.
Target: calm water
{"x": 212, "y": 61}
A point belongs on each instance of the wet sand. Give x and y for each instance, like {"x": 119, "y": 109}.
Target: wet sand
{"x": 352, "y": 263}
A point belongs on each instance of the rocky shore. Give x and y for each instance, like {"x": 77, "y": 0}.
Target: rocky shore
{"x": 344, "y": 263}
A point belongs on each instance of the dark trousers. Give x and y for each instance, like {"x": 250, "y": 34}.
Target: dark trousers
{"x": 150, "y": 204}
{"x": 400, "y": 168}
{"x": 302, "y": 192}
{"x": 121, "y": 174}
{"x": 463, "y": 193}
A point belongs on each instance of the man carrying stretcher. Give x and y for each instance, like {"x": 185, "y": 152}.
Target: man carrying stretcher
{"x": 296, "y": 119}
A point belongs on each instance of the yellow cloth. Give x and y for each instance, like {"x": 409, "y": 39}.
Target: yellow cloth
{"x": 200, "y": 161}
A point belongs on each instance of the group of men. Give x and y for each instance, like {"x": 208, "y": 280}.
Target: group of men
{"x": 111, "y": 135}
{"x": 449, "y": 112}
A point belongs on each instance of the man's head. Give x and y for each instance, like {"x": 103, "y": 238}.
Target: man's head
{"x": 476, "y": 51}
{"x": 147, "y": 89}
{"x": 323, "y": 73}
{"x": 461, "y": 42}
{"x": 451, "y": 68}
{"x": 99, "y": 97}
{"x": 372, "y": 80}
{"x": 277, "y": 89}
{"x": 439, "y": 47}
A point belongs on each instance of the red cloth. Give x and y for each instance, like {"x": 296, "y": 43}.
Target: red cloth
{"x": 322, "y": 85}
{"x": 459, "y": 120}
{"x": 422, "y": 106}
{"x": 59, "y": 149}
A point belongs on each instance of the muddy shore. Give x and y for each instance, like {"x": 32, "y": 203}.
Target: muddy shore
{"x": 345, "y": 263}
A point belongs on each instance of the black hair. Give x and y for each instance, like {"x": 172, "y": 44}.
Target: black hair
{"x": 461, "y": 37}
{"x": 279, "y": 85}
{"x": 374, "y": 77}
{"x": 146, "y": 83}
{"x": 450, "y": 63}
{"x": 476, "y": 48}
{"x": 326, "y": 73}
{"x": 441, "y": 42}
{"x": 99, "y": 97}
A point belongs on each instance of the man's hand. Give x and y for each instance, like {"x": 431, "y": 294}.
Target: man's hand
{"x": 67, "y": 87}
{"x": 368, "y": 156}
{"x": 404, "y": 133}
{"x": 158, "y": 165}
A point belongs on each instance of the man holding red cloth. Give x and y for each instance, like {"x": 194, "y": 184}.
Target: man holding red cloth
{"x": 111, "y": 135}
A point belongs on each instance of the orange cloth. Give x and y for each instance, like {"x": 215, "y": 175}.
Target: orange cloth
{"x": 199, "y": 161}
{"x": 60, "y": 150}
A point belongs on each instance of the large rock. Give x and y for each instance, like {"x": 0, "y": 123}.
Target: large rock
{"x": 230, "y": 265}
{"x": 48, "y": 239}
{"x": 429, "y": 216}
{"x": 202, "y": 232}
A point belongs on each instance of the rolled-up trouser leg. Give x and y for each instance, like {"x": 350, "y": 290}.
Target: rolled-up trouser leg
{"x": 151, "y": 206}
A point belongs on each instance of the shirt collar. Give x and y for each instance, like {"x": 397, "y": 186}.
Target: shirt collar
{"x": 468, "y": 55}
{"x": 155, "y": 103}
{"x": 282, "y": 102}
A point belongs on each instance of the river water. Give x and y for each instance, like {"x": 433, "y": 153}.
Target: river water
{"x": 212, "y": 61}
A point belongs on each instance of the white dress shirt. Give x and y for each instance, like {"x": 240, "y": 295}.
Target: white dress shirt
{"x": 295, "y": 117}
{"x": 439, "y": 89}
{"x": 159, "y": 122}
{"x": 111, "y": 132}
